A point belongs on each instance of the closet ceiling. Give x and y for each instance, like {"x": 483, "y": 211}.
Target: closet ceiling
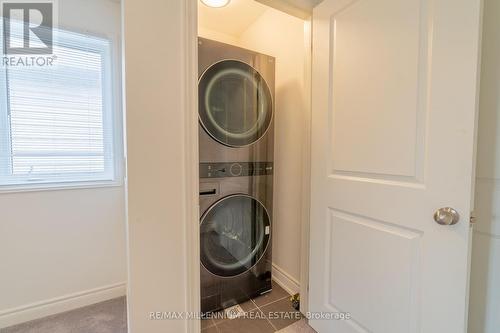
{"x": 240, "y": 14}
{"x": 299, "y": 8}
{"x": 233, "y": 19}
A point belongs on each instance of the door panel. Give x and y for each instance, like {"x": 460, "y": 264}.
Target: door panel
{"x": 378, "y": 72}
{"x": 394, "y": 106}
{"x": 371, "y": 257}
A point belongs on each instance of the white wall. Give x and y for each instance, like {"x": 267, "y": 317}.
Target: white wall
{"x": 157, "y": 117}
{"x": 267, "y": 35}
{"x": 485, "y": 276}
{"x": 282, "y": 36}
{"x": 62, "y": 249}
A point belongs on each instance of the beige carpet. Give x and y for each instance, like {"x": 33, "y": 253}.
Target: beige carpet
{"x": 106, "y": 317}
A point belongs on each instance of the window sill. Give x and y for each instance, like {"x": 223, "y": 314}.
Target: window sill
{"x": 60, "y": 186}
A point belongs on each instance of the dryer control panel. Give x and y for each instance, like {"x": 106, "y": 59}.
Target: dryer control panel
{"x": 235, "y": 169}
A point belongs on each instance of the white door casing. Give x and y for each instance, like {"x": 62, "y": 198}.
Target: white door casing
{"x": 393, "y": 127}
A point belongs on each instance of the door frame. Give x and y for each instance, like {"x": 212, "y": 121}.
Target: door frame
{"x": 306, "y": 172}
{"x": 192, "y": 208}
{"x": 190, "y": 54}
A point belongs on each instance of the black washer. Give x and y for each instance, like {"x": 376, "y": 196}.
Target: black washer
{"x": 234, "y": 235}
{"x": 235, "y": 103}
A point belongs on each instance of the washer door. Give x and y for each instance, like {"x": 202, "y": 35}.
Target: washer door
{"x": 234, "y": 235}
{"x": 235, "y": 103}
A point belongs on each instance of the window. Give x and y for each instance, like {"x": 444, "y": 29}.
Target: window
{"x": 57, "y": 121}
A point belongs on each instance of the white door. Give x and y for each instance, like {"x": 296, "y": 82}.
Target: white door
{"x": 394, "y": 105}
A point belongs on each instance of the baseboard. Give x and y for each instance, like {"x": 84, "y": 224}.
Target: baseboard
{"x": 60, "y": 304}
{"x": 285, "y": 280}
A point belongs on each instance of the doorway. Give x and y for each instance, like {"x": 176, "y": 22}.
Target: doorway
{"x": 255, "y": 27}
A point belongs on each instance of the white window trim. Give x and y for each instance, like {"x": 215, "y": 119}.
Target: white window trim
{"x": 116, "y": 118}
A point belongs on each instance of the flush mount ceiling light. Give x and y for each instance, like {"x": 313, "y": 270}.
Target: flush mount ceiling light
{"x": 216, "y": 3}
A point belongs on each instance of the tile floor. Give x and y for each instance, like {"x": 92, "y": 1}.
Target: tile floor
{"x": 271, "y": 312}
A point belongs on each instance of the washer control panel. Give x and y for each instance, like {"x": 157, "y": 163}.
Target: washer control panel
{"x": 235, "y": 169}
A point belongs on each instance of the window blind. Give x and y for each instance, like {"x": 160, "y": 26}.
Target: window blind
{"x": 59, "y": 121}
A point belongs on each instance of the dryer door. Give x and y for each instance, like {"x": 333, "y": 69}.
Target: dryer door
{"x": 235, "y": 103}
{"x": 234, "y": 235}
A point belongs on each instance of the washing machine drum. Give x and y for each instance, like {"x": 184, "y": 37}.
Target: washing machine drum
{"x": 235, "y": 103}
{"x": 234, "y": 235}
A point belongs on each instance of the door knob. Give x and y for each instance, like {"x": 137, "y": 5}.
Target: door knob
{"x": 446, "y": 216}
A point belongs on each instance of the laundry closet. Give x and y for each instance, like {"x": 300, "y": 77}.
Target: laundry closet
{"x": 254, "y": 115}
{"x": 391, "y": 146}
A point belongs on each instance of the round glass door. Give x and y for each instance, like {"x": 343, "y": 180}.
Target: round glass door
{"x": 235, "y": 104}
{"x": 234, "y": 235}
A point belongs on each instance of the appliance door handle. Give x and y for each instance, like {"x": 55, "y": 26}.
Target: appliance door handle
{"x": 212, "y": 191}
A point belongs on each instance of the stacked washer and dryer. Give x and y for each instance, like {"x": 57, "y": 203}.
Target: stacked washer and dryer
{"x": 236, "y": 143}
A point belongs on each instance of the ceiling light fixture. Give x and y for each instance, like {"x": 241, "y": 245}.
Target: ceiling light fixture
{"x": 216, "y": 3}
